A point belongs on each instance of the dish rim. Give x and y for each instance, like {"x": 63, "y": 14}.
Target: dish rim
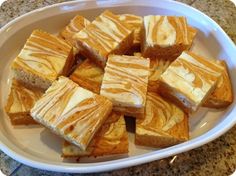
{"x": 134, "y": 160}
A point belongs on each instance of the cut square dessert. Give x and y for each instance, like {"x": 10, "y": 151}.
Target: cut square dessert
{"x": 43, "y": 58}
{"x": 75, "y": 25}
{"x": 71, "y": 111}
{"x": 189, "y": 80}
{"x": 157, "y": 67}
{"x": 88, "y": 75}
{"x": 112, "y": 138}
{"x": 222, "y": 96}
{"x": 107, "y": 34}
{"x": 163, "y": 124}
{"x": 136, "y": 23}
{"x": 20, "y": 100}
{"x": 165, "y": 36}
{"x": 125, "y": 83}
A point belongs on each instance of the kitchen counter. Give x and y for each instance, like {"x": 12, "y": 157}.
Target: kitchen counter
{"x": 215, "y": 158}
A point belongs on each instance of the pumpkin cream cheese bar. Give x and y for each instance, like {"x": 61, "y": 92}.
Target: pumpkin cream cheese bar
{"x": 107, "y": 34}
{"x": 157, "y": 67}
{"x": 125, "y": 83}
{"x": 43, "y": 58}
{"x": 20, "y": 100}
{"x": 135, "y": 23}
{"x": 88, "y": 75}
{"x": 76, "y": 24}
{"x": 222, "y": 96}
{"x": 112, "y": 138}
{"x": 189, "y": 80}
{"x": 163, "y": 124}
{"x": 166, "y": 36}
{"x": 71, "y": 111}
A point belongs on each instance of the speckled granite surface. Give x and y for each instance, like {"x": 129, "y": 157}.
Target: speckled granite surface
{"x": 215, "y": 158}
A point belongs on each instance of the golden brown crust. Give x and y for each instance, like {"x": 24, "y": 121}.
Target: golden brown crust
{"x": 111, "y": 139}
{"x": 130, "y": 111}
{"x": 162, "y": 125}
{"x": 22, "y": 119}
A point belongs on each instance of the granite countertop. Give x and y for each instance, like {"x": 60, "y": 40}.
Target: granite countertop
{"x": 215, "y": 158}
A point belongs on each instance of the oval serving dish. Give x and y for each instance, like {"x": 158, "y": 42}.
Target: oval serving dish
{"x": 37, "y": 147}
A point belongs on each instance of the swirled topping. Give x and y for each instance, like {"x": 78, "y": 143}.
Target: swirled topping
{"x": 192, "y": 76}
{"x": 104, "y": 34}
{"x": 44, "y": 55}
{"x": 71, "y": 111}
{"x": 136, "y": 23}
{"x": 88, "y": 75}
{"x": 162, "y": 118}
{"x": 75, "y": 25}
{"x": 167, "y": 31}
{"x": 125, "y": 80}
{"x": 21, "y": 99}
{"x": 157, "y": 67}
{"x": 222, "y": 95}
{"x": 110, "y": 139}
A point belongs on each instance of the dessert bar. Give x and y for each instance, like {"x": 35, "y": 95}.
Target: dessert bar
{"x": 163, "y": 124}
{"x": 75, "y": 25}
{"x": 43, "y": 58}
{"x": 189, "y": 80}
{"x": 20, "y": 100}
{"x": 111, "y": 139}
{"x": 125, "y": 83}
{"x": 88, "y": 75}
{"x": 107, "y": 34}
{"x": 222, "y": 96}
{"x": 165, "y": 36}
{"x": 71, "y": 111}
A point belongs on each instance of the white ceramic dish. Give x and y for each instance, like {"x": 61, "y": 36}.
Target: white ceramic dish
{"x": 37, "y": 147}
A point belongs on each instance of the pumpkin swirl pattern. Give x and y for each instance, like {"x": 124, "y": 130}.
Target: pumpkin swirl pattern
{"x": 112, "y": 138}
{"x": 125, "y": 80}
{"x": 72, "y": 111}
{"x": 192, "y": 75}
{"x": 75, "y": 25}
{"x": 104, "y": 34}
{"x": 167, "y": 31}
{"x": 44, "y": 55}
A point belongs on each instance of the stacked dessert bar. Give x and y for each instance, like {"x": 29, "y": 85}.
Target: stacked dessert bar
{"x": 134, "y": 66}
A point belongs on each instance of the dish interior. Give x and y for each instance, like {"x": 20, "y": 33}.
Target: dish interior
{"x": 38, "y": 142}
